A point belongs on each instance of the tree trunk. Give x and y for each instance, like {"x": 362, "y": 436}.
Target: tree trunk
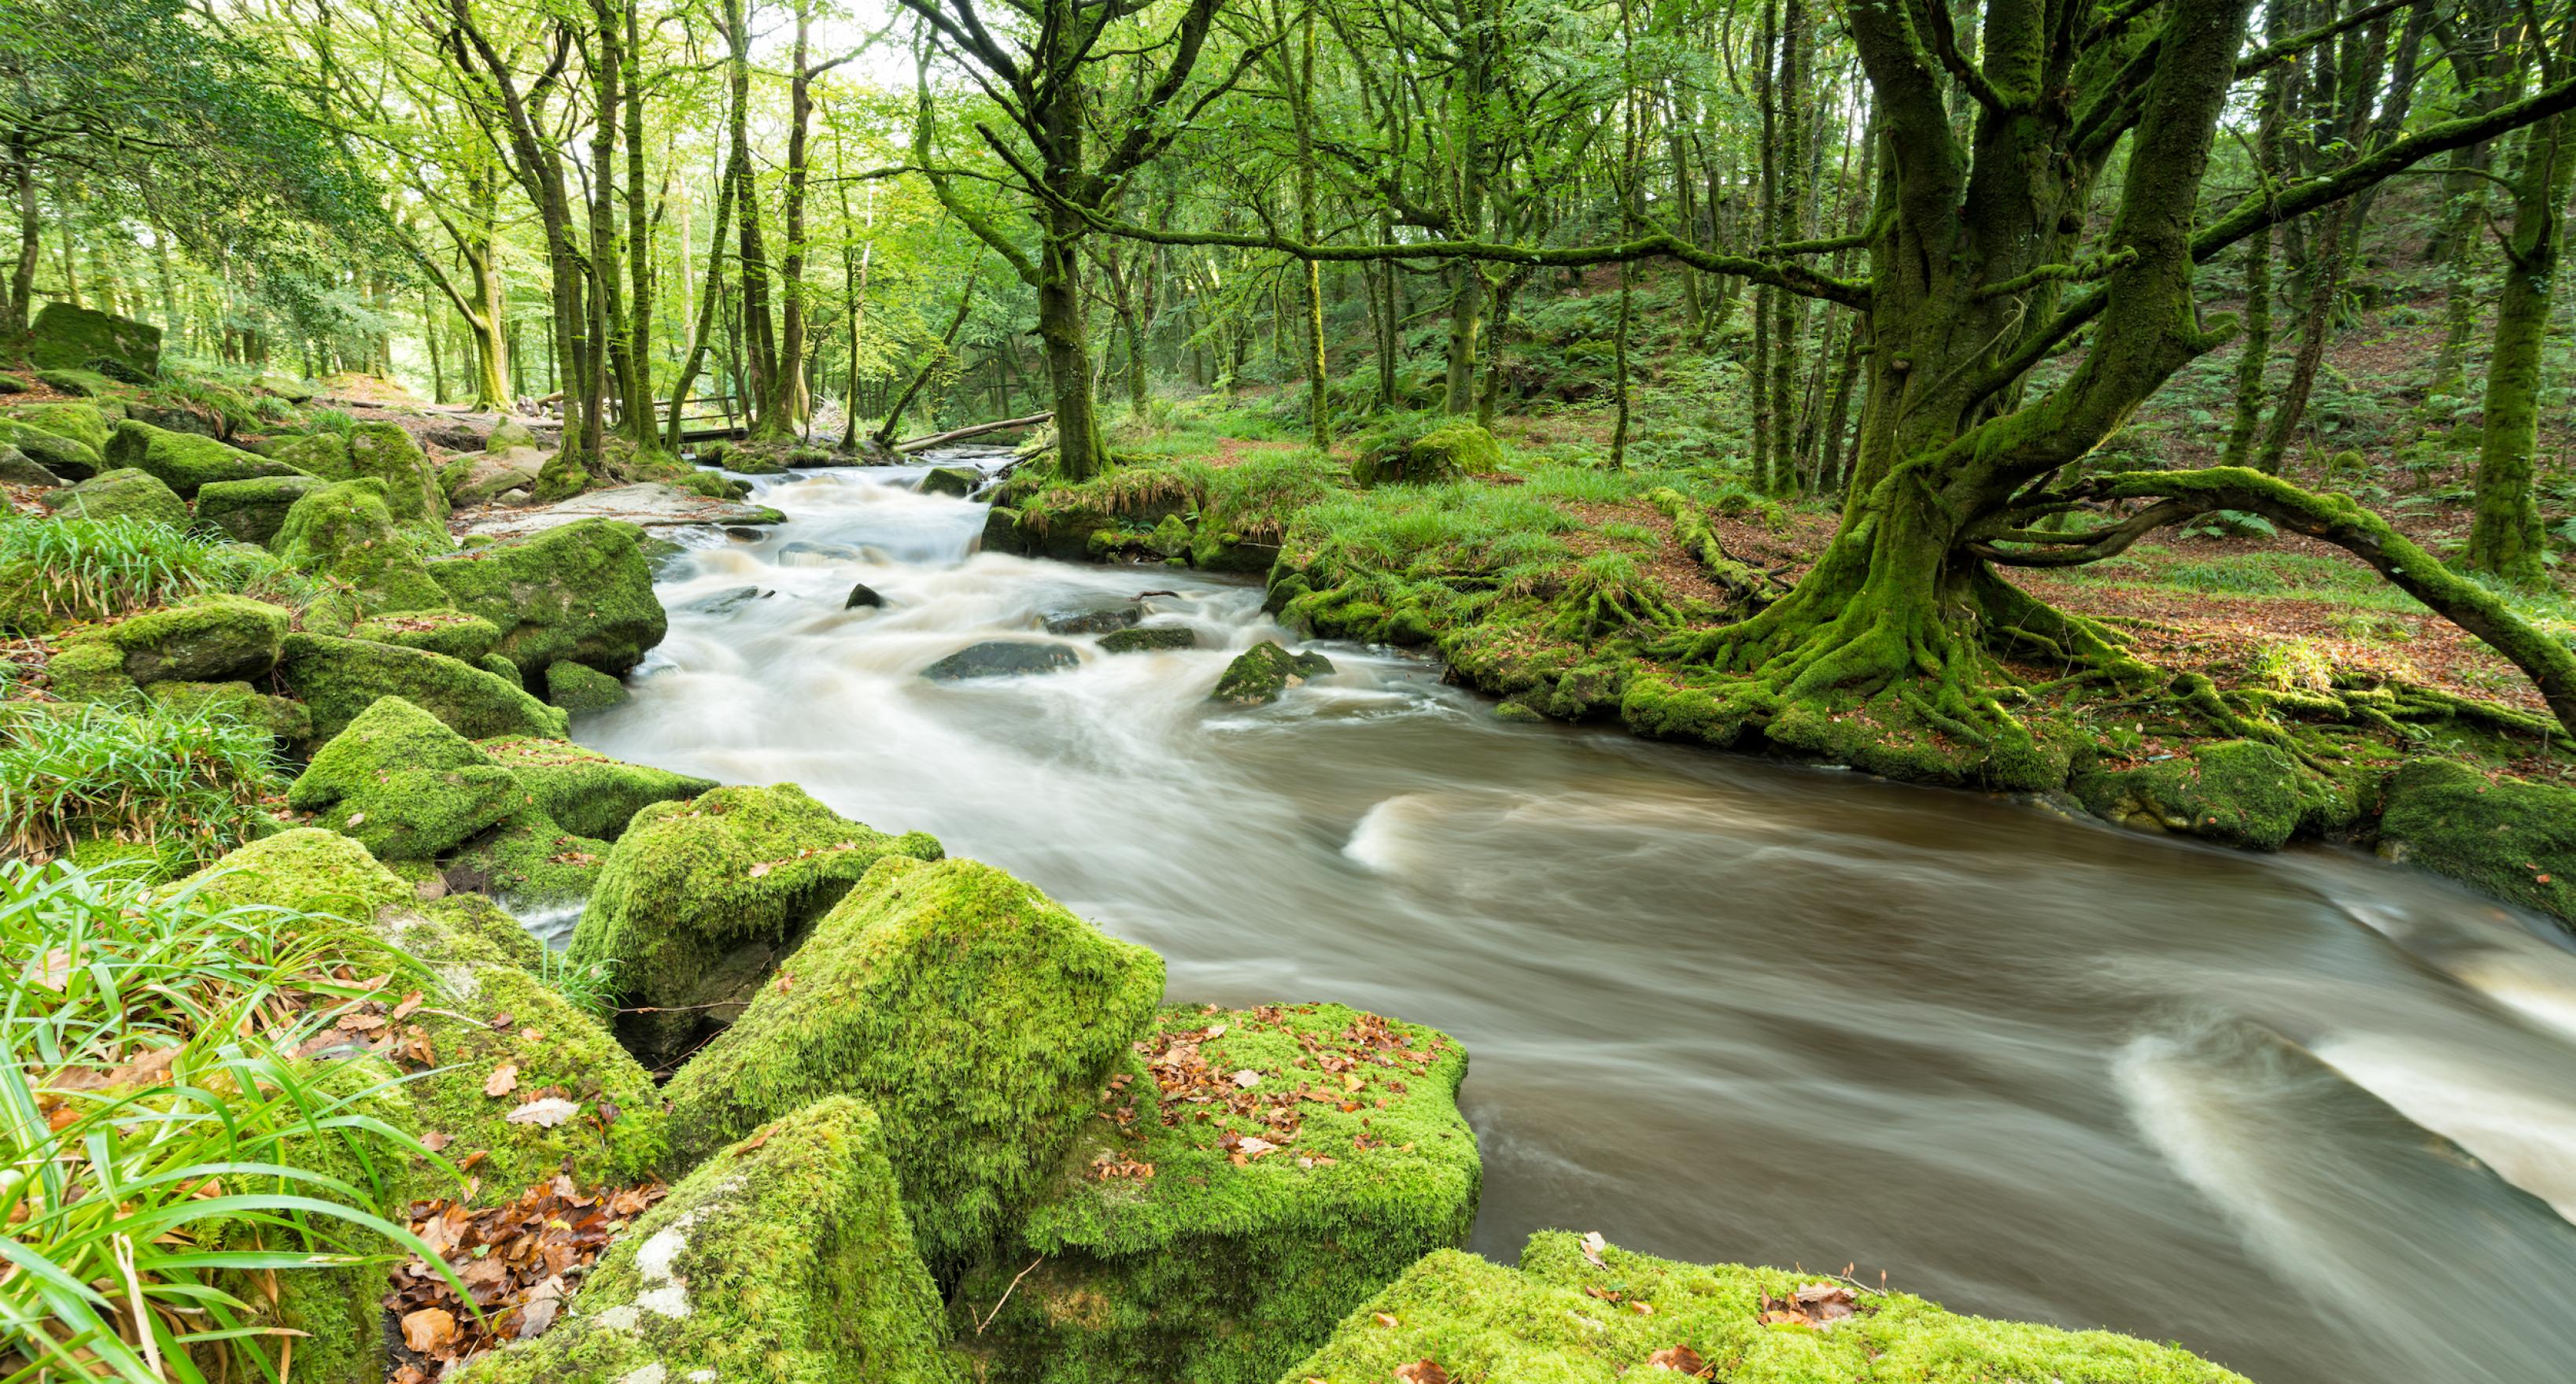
{"x": 2506, "y": 538}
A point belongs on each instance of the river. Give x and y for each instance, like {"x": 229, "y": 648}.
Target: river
{"x": 2306, "y": 1114}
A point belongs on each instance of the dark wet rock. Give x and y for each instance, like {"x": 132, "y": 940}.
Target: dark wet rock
{"x": 1264, "y": 671}
{"x": 1149, "y": 640}
{"x": 862, "y": 595}
{"x": 1001, "y": 658}
{"x": 1093, "y": 621}
{"x": 959, "y": 481}
{"x": 727, "y": 601}
{"x": 741, "y": 534}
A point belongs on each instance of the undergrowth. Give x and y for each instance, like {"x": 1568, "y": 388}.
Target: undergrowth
{"x": 189, "y": 786}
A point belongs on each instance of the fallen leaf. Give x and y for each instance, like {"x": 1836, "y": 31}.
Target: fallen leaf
{"x": 56, "y": 971}
{"x": 760, "y": 869}
{"x": 1593, "y": 1244}
{"x": 504, "y": 1080}
{"x": 1682, "y": 1359}
{"x": 409, "y": 1003}
{"x": 435, "y": 1141}
{"x": 545, "y": 1114}
{"x": 1421, "y": 1372}
{"x": 1247, "y": 1078}
{"x": 356, "y": 817}
{"x": 428, "y": 1329}
{"x": 1386, "y": 1321}
{"x": 1643, "y": 1309}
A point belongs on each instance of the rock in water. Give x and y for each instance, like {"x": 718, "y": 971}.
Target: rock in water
{"x": 1264, "y": 671}
{"x": 578, "y": 687}
{"x": 1147, "y": 641}
{"x": 1093, "y": 621}
{"x": 1001, "y": 658}
{"x": 727, "y": 601}
{"x": 2514, "y": 839}
{"x": 959, "y": 481}
{"x": 807, "y": 553}
{"x": 862, "y": 596}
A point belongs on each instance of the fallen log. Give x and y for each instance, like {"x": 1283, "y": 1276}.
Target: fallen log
{"x": 975, "y": 430}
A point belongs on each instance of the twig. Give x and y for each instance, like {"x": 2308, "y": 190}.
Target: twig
{"x": 1006, "y": 1294}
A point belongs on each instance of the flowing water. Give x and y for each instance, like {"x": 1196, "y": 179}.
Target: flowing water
{"x": 2306, "y": 1114}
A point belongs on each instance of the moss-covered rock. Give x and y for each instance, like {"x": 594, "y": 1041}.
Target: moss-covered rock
{"x": 786, "y": 1258}
{"x": 445, "y": 630}
{"x": 1443, "y": 454}
{"x": 1560, "y": 1320}
{"x": 959, "y": 481}
{"x": 90, "y": 671}
{"x": 1264, "y": 671}
{"x": 18, "y": 468}
{"x": 579, "y": 687}
{"x": 587, "y": 792}
{"x": 581, "y": 591}
{"x": 975, "y": 1013}
{"x": 2513, "y": 839}
{"x": 699, "y": 899}
{"x": 307, "y": 869}
{"x": 345, "y": 532}
{"x": 403, "y": 784}
{"x": 1214, "y": 1229}
{"x": 79, "y": 421}
{"x": 531, "y": 861}
{"x": 251, "y": 511}
{"x": 282, "y": 717}
{"x": 338, "y": 678}
{"x": 202, "y": 639}
{"x": 185, "y": 462}
{"x": 1149, "y": 639}
{"x": 69, "y": 337}
{"x": 384, "y": 451}
{"x": 69, "y": 458}
{"x": 2239, "y": 792}
{"x": 124, "y": 493}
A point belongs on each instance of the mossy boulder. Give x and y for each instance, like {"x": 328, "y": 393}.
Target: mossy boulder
{"x": 785, "y": 1258}
{"x": 203, "y": 639}
{"x": 251, "y": 511}
{"x": 404, "y": 785}
{"x": 79, "y": 421}
{"x": 579, "y": 687}
{"x": 2236, "y": 792}
{"x": 18, "y": 468}
{"x": 2513, "y": 839}
{"x": 586, "y": 791}
{"x": 977, "y": 1015}
{"x": 959, "y": 481}
{"x": 1560, "y": 1319}
{"x": 1443, "y": 454}
{"x": 581, "y": 591}
{"x": 445, "y": 630}
{"x": 83, "y": 384}
{"x": 282, "y": 717}
{"x": 699, "y": 899}
{"x": 185, "y": 462}
{"x": 532, "y": 861}
{"x": 1264, "y": 671}
{"x": 69, "y": 458}
{"x": 66, "y": 336}
{"x": 1212, "y": 1228}
{"x": 307, "y": 869}
{"x": 1170, "y": 538}
{"x": 345, "y": 532}
{"x": 124, "y": 493}
{"x": 338, "y": 678}
{"x": 1149, "y": 639}
{"x": 90, "y": 671}
{"x": 384, "y": 451}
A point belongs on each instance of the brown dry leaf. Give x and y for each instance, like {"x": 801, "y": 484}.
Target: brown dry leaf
{"x": 1247, "y": 1078}
{"x": 1386, "y": 1320}
{"x": 760, "y": 869}
{"x": 1643, "y": 1309}
{"x": 504, "y": 1080}
{"x": 1681, "y": 1359}
{"x": 429, "y": 1329}
{"x": 409, "y": 1003}
{"x": 1593, "y": 1244}
{"x": 1421, "y": 1372}
{"x": 435, "y": 1141}
{"x": 544, "y": 1114}
{"x": 56, "y": 970}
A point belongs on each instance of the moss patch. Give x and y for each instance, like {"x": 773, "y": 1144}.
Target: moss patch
{"x": 308, "y": 869}
{"x": 579, "y": 687}
{"x": 345, "y": 531}
{"x": 581, "y": 591}
{"x": 204, "y": 639}
{"x": 283, "y": 717}
{"x": 786, "y": 1258}
{"x": 251, "y": 511}
{"x": 185, "y": 461}
{"x": 68, "y": 458}
{"x": 2238, "y": 792}
{"x": 587, "y": 792}
{"x": 338, "y": 678}
{"x": 1559, "y": 1320}
{"x": 2513, "y": 839}
{"x": 1175, "y": 1249}
{"x": 403, "y": 784}
{"x": 976, "y": 1014}
{"x": 123, "y": 493}
{"x": 532, "y": 861}
{"x": 69, "y": 337}
{"x": 81, "y": 422}
{"x": 1264, "y": 671}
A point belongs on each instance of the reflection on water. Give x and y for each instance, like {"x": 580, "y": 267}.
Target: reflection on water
{"x": 1721, "y": 1009}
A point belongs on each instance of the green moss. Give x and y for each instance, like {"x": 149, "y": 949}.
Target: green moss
{"x": 124, "y": 493}
{"x": 66, "y": 457}
{"x": 308, "y": 870}
{"x": 786, "y": 1258}
{"x": 69, "y": 337}
{"x": 282, "y": 717}
{"x": 503, "y": 669}
{"x": 1148, "y": 640}
{"x": 1209, "y": 1270}
{"x": 1544, "y": 1324}
{"x": 532, "y": 861}
{"x": 972, "y": 1011}
{"x": 90, "y": 672}
{"x": 578, "y": 687}
{"x": 2240, "y": 792}
{"x": 1444, "y": 454}
{"x": 466, "y": 638}
{"x": 338, "y": 678}
{"x": 586, "y": 791}
{"x": 251, "y": 511}
{"x": 405, "y": 785}
{"x": 580, "y": 591}
{"x": 699, "y": 898}
{"x": 185, "y": 461}
{"x": 384, "y": 451}
{"x": 203, "y": 639}
{"x": 82, "y": 423}
{"x": 2513, "y": 839}
{"x": 1264, "y": 671}
{"x": 959, "y": 481}
{"x": 345, "y": 532}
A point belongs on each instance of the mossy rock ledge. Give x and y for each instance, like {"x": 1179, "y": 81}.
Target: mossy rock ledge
{"x": 123, "y": 493}
{"x": 251, "y": 511}
{"x": 2235, "y": 792}
{"x": 786, "y": 1257}
{"x": 66, "y": 457}
{"x": 978, "y": 1016}
{"x": 2513, "y": 839}
{"x": 339, "y": 678}
{"x": 345, "y": 531}
{"x": 69, "y": 337}
{"x": 202, "y": 639}
{"x": 1559, "y": 1319}
{"x": 587, "y": 792}
{"x": 186, "y": 462}
{"x": 697, "y": 901}
{"x": 1249, "y": 1178}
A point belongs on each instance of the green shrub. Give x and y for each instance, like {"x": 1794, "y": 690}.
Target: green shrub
{"x": 187, "y": 784}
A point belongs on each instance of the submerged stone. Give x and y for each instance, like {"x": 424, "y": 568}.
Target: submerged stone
{"x": 1149, "y": 640}
{"x": 1002, "y": 658}
{"x": 977, "y": 1014}
{"x": 1264, "y": 671}
{"x": 2513, "y": 839}
{"x": 862, "y": 597}
{"x": 1251, "y": 1177}
{"x": 787, "y": 1257}
{"x": 728, "y": 601}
